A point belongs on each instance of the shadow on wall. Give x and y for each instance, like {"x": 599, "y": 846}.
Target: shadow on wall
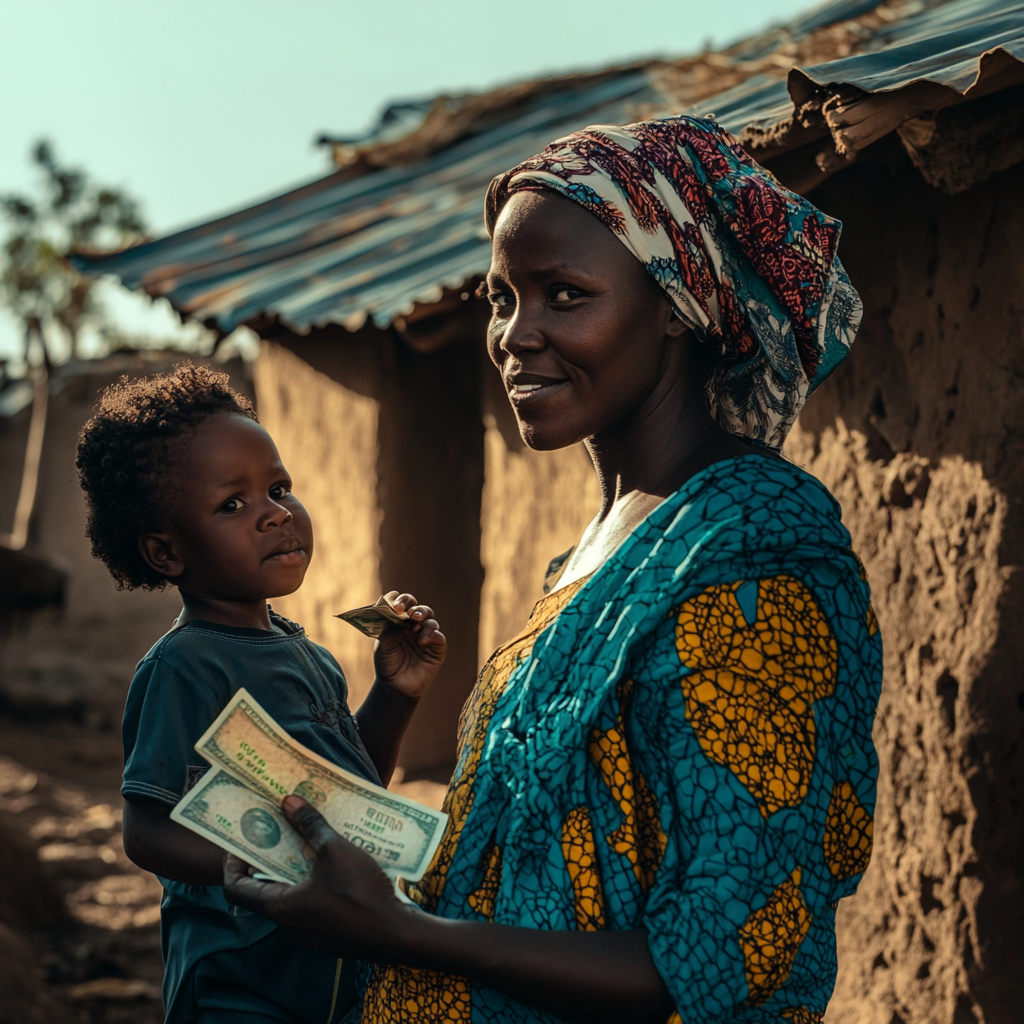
{"x": 920, "y": 435}
{"x": 385, "y": 446}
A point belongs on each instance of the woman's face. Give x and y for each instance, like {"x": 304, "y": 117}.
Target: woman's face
{"x": 582, "y": 336}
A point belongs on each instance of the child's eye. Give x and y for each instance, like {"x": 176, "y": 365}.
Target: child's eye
{"x": 279, "y": 491}
{"x": 564, "y": 293}
{"x": 232, "y": 505}
{"x": 500, "y": 299}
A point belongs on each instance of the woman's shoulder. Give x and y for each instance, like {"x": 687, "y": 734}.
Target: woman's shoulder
{"x": 739, "y": 519}
{"x": 758, "y": 478}
{"x": 761, "y": 496}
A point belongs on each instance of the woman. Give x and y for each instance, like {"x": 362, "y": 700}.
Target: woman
{"x": 665, "y": 783}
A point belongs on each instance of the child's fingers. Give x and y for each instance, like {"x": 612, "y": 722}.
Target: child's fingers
{"x": 430, "y": 633}
{"x": 420, "y": 614}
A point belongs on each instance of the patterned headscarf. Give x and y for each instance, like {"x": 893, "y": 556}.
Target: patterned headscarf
{"x": 750, "y": 267}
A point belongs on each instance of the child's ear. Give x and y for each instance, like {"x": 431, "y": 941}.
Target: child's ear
{"x": 159, "y": 553}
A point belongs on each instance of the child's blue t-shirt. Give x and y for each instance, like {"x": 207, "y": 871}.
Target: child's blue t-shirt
{"x": 218, "y": 957}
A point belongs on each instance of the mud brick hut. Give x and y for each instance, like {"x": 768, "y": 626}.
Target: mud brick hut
{"x": 69, "y": 641}
{"x": 903, "y": 119}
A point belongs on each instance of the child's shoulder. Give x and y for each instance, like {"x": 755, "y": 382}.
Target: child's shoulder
{"x": 203, "y": 643}
{"x": 200, "y": 643}
{"x": 179, "y": 643}
{"x": 198, "y": 636}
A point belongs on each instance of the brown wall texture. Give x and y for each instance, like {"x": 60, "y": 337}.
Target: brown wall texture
{"x": 920, "y": 435}
{"x": 327, "y": 436}
{"x": 535, "y": 506}
{"x": 386, "y": 446}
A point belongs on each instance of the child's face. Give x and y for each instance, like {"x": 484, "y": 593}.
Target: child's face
{"x": 236, "y": 532}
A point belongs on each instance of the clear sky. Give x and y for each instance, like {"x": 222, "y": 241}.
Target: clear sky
{"x": 200, "y": 106}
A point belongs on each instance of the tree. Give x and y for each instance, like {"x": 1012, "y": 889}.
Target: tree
{"x": 36, "y": 282}
{"x": 46, "y": 293}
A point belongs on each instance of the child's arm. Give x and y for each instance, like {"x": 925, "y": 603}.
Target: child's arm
{"x": 155, "y": 843}
{"x": 406, "y": 658}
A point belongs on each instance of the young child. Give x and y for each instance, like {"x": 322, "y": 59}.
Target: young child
{"x": 184, "y": 487}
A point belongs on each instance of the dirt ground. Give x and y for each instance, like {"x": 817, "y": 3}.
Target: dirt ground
{"x": 79, "y": 923}
{"x": 85, "y": 922}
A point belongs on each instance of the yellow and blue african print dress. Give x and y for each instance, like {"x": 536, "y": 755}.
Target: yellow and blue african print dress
{"x": 682, "y": 742}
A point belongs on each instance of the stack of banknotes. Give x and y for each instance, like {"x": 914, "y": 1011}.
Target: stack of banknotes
{"x": 256, "y": 764}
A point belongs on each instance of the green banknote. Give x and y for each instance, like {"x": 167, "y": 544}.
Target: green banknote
{"x": 248, "y": 745}
{"x": 236, "y": 818}
{"x": 373, "y": 619}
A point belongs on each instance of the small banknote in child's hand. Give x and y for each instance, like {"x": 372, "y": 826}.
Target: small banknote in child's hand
{"x": 373, "y": 619}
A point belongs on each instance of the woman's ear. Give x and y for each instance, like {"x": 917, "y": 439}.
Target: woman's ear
{"x": 159, "y": 552}
{"x": 675, "y": 328}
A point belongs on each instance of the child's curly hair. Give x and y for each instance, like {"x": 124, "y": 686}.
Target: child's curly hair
{"x": 124, "y": 453}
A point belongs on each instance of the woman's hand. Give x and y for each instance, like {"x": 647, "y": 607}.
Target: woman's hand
{"x": 408, "y": 655}
{"x": 347, "y": 907}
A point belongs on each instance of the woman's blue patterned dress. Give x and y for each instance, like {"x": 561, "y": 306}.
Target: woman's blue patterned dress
{"x": 680, "y": 742}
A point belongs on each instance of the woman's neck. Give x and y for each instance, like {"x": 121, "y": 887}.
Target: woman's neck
{"x": 655, "y": 449}
{"x": 643, "y": 459}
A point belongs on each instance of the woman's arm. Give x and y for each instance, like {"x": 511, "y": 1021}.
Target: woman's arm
{"x": 155, "y": 843}
{"x": 597, "y": 976}
{"x": 348, "y": 907}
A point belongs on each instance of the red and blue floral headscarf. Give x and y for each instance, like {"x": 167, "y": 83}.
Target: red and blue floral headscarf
{"x": 750, "y": 267}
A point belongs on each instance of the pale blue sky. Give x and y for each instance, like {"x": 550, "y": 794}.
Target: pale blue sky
{"x": 200, "y": 106}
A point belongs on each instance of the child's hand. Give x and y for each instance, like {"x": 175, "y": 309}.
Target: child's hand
{"x": 407, "y": 656}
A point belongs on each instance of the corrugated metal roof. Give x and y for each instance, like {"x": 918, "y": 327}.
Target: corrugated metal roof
{"x": 942, "y": 45}
{"x": 342, "y": 248}
{"x": 372, "y": 242}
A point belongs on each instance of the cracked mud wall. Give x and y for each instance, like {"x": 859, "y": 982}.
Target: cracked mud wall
{"x": 920, "y": 436}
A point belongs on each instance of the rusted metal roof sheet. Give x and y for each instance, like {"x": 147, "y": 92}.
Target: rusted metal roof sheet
{"x": 942, "y": 44}
{"x": 343, "y": 248}
{"x": 372, "y": 242}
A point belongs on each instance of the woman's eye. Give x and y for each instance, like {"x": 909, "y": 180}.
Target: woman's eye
{"x": 564, "y": 293}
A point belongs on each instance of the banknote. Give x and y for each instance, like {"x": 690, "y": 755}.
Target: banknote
{"x": 227, "y": 812}
{"x": 244, "y": 741}
{"x": 373, "y": 619}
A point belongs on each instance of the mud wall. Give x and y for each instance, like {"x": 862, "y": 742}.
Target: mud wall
{"x": 432, "y": 466}
{"x": 78, "y": 662}
{"x": 920, "y": 435}
{"x": 327, "y": 436}
{"x": 386, "y": 445}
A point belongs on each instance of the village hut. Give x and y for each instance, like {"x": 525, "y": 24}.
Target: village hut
{"x": 905, "y": 120}
{"x": 69, "y": 640}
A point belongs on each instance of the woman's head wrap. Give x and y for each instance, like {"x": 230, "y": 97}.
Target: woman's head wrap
{"x": 750, "y": 267}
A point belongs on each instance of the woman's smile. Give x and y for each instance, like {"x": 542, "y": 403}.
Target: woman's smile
{"x": 532, "y": 387}
{"x": 581, "y": 333}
